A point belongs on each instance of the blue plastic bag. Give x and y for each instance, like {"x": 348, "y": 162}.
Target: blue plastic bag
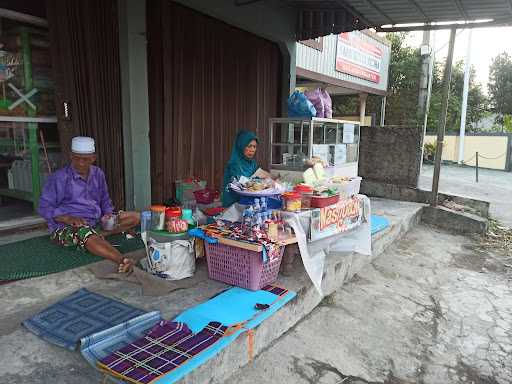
{"x": 300, "y": 106}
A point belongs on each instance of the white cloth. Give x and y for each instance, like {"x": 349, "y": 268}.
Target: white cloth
{"x": 313, "y": 253}
{"x": 83, "y": 145}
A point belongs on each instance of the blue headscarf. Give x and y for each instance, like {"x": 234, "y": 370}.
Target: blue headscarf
{"x": 238, "y": 165}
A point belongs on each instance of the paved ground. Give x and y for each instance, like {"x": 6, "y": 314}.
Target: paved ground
{"x": 432, "y": 309}
{"x": 493, "y": 186}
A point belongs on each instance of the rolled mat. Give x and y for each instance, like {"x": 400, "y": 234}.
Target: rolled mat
{"x": 40, "y": 256}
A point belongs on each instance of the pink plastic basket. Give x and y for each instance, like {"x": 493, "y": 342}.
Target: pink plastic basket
{"x": 241, "y": 267}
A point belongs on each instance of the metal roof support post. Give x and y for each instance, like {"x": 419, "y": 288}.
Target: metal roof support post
{"x": 442, "y": 121}
{"x": 362, "y": 107}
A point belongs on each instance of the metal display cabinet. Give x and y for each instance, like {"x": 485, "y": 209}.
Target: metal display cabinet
{"x": 293, "y": 141}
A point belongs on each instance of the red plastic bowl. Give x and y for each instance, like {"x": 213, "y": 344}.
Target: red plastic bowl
{"x": 321, "y": 202}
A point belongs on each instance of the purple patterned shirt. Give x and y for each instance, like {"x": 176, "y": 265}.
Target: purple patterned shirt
{"x": 68, "y": 193}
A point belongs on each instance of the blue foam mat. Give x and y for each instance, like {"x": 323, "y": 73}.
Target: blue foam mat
{"x": 233, "y": 306}
{"x": 378, "y": 223}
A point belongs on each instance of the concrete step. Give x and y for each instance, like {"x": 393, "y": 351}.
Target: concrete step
{"x": 35, "y": 361}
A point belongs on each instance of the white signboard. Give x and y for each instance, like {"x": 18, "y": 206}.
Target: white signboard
{"x": 359, "y": 57}
{"x": 340, "y": 154}
{"x": 321, "y": 151}
{"x": 348, "y": 133}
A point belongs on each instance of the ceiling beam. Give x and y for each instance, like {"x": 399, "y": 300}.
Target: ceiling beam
{"x": 505, "y": 22}
{"x": 418, "y": 7}
{"x": 23, "y": 18}
{"x": 351, "y": 10}
{"x": 378, "y": 9}
{"x": 461, "y": 9}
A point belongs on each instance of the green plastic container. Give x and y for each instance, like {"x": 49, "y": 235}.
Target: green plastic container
{"x": 184, "y": 189}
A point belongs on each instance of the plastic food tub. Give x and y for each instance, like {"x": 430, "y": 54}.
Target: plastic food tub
{"x": 306, "y": 193}
{"x": 321, "y": 202}
{"x": 348, "y": 188}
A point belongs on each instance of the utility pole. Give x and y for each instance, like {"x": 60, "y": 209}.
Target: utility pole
{"x": 465, "y": 90}
{"x": 442, "y": 121}
{"x": 425, "y": 71}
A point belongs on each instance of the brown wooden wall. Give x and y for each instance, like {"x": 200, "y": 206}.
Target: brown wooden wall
{"x": 85, "y": 56}
{"x": 207, "y": 80}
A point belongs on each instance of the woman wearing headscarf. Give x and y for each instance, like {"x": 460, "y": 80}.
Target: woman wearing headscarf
{"x": 241, "y": 163}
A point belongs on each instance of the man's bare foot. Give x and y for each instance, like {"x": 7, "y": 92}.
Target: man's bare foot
{"x": 125, "y": 266}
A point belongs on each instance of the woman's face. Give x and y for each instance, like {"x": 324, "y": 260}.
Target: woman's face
{"x": 250, "y": 150}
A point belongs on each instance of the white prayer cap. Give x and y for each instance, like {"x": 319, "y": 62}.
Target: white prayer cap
{"x": 83, "y": 145}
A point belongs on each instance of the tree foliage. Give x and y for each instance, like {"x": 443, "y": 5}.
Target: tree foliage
{"x": 477, "y": 101}
{"x": 500, "y": 84}
{"x": 403, "y": 90}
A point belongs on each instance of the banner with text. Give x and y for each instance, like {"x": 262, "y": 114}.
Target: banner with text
{"x": 358, "y": 57}
{"x": 341, "y": 217}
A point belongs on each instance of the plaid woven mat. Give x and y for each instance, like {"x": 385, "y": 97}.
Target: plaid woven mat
{"x": 168, "y": 345}
{"x": 39, "y": 256}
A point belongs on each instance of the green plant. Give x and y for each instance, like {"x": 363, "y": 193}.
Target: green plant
{"x": 507, "y": 123}
{"x": 429, "y": 151}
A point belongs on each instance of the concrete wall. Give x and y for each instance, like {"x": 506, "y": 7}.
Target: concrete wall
{"x": 390, "y": 155}
{"x": 493, "y": 149}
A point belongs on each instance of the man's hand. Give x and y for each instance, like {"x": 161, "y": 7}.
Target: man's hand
{"x": 71, "y": 220}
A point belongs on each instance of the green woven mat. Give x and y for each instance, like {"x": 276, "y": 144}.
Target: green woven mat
{"x": 39, "y": 256}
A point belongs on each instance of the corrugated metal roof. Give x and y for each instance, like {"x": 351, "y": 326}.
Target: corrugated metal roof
{"x": 318, "y": 18}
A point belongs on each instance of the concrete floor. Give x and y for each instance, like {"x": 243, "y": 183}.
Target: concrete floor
{"x": 431, "y": 309}
{"x": 25, "y": 358}
{"x": 493, "y": 186}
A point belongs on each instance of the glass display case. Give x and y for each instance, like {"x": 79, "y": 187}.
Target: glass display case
{"x": 295, "y": 140}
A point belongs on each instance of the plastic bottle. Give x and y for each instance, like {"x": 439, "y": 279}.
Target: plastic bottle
{"x": 263, "y": 204}
{"x": 258, "y": 221}
{"x": 145, "y": 221}
{"x": 257, "y": 206}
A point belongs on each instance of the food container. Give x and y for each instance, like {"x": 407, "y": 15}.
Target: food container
{"x": 158, "y": 217}
{"x": 291, "y": 201}
{"x": 173, "y": 221}
{"x": 206, "y": 195}
{"x": 324, "y": 201}
{"x": 306, "y": 193}
{"x": 187, "y": 216}
{"x": 185, "y": 188}
{"x": 348, "y": 186}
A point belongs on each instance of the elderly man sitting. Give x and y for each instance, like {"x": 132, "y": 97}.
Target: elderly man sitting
{"x": 75, "y": 199}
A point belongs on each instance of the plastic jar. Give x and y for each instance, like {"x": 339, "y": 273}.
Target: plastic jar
{"x": 187, "y": 216}
{"x": 158, "y": 217}
{"x": 306, "y": 193}
{"x": 292, "y": 201}
{"x": 173, "y": 221}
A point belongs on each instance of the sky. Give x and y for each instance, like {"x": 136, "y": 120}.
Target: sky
{"x": 486, "y": 43}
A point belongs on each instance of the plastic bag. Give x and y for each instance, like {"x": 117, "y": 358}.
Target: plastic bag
{"x": 326, "y": 98}
{"x": 173, "y": 260}
{"x": 315, "y": 96}
{"x": 300, "y": 106}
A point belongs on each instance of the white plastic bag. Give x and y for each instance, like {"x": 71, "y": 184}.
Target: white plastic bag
{"x": 173, "y": 260}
